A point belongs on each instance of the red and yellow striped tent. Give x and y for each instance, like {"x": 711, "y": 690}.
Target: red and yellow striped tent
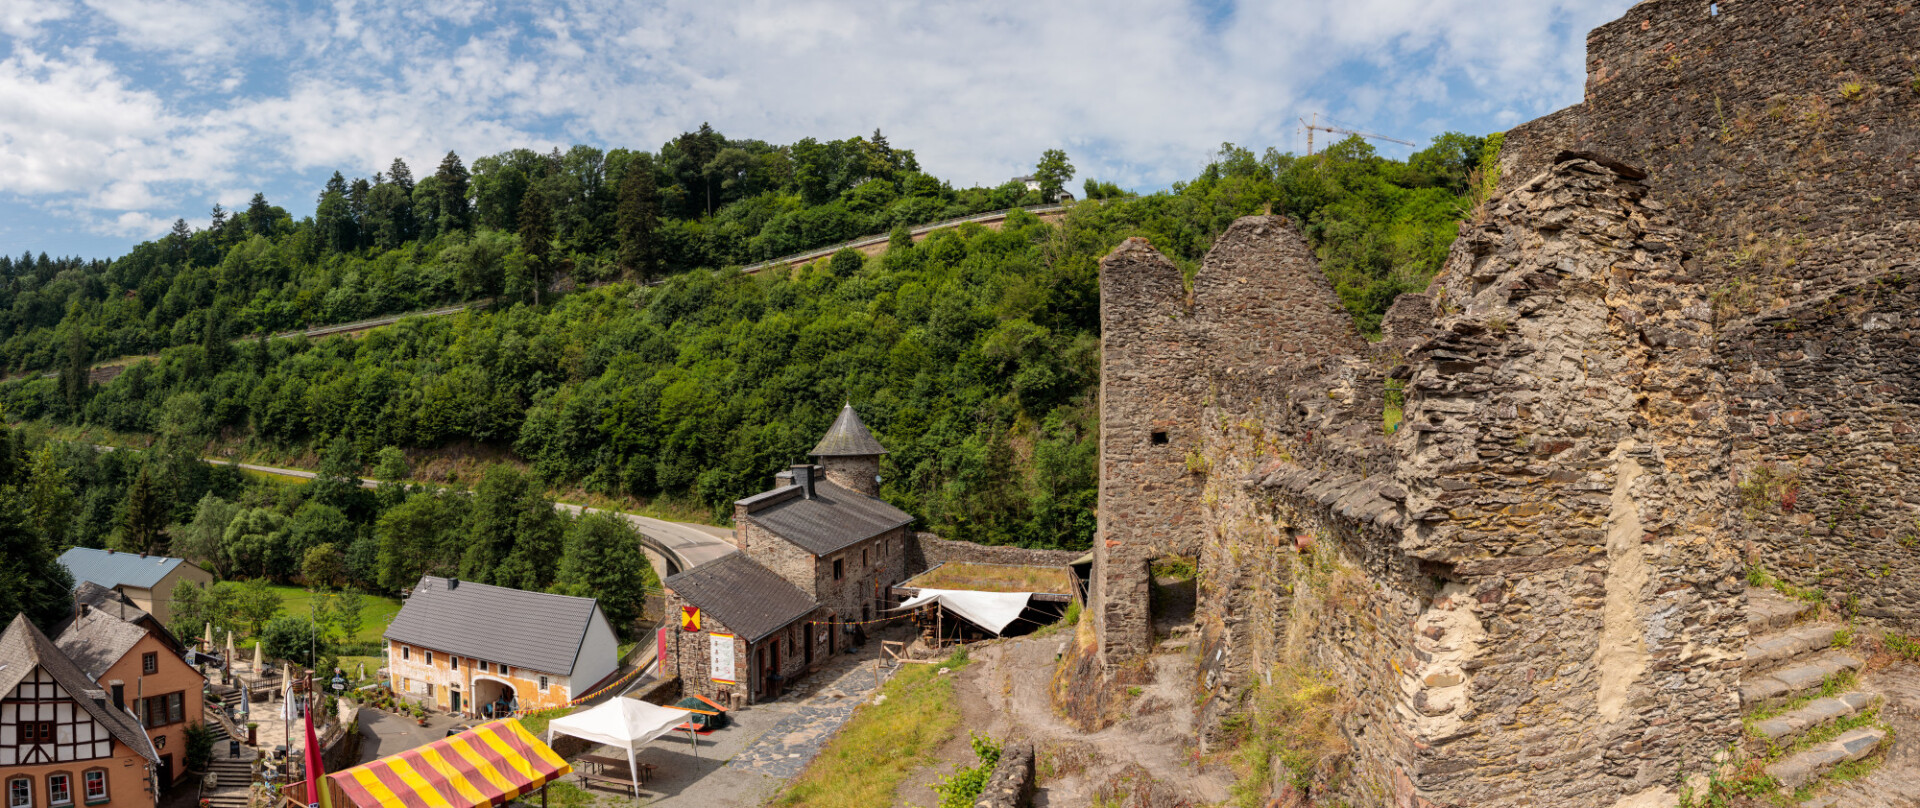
{"x": 487, "y": 765}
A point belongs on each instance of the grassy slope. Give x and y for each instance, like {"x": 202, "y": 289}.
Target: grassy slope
{"x": 374, "y": 616}
{"x": 877, "y": 748}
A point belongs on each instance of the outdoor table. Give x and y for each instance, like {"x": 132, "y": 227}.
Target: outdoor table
{"x": 601, "y": 762}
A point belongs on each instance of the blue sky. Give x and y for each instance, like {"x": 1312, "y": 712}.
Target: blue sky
{"x": 117, "y": 116}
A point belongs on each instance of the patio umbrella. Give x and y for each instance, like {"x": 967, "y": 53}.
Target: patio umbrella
{"x": 231, "y": 660}
{"x": 209, "y": 640}
{"x": 256, "y": 657}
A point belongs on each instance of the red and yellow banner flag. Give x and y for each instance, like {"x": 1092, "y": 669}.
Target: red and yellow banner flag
{"x": 689, "y": 618}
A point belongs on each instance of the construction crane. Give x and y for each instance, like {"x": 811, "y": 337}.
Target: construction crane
{"x": 1316, "y": 125}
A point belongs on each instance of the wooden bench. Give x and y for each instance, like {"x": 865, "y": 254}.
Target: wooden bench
{"x": 590, "y": 778}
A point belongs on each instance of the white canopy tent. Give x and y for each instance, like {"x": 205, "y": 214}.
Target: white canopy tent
{"x": 993, "y": 611}
{"x": 623, "y": 722}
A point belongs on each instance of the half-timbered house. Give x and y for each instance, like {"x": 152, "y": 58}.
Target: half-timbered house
{"x": 64, "y": 740}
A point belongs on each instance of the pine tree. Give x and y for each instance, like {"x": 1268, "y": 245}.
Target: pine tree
{"x": 639, "y": 218}
{"x": 455, "y": 208}
{"x": 74, "y": 379}
{"x": 143, "y": 518}
{"x": 260, "y": 215}
{"x": 536, "y": 237}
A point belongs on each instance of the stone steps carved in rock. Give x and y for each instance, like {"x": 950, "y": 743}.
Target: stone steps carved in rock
{"x": 1776, "y": 649}
{"x": 1768, "y": 610}
{"x": 1814, "y": 714}
{"x": 1800, "y": 676}
{"x": 1798, "y": 769}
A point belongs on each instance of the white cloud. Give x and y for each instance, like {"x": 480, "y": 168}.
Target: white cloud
{"x": 21, "y": 19}
{"x": 1138, "y": 91}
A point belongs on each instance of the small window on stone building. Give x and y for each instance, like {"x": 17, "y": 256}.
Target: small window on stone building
{"x": 150, "y": 663}
{"x": 1159, "y": 438}
{"x": 863, "y": 557}
{"x": 838, "y": 569}
{"x": 429, "y": 657}
{"x": 453, "y": 663}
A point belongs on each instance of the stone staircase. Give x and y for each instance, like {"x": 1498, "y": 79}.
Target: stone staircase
{"x": 232, "y": 776}
{"x": 1806, "y": 711}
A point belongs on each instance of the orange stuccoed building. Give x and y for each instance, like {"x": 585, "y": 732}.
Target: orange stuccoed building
{"x": 62, "y": 740}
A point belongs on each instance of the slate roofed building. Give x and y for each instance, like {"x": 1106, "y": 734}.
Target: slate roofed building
{"x": 822, "y": 531}
{"x": 147, "y": 580}
{"x": 462, "y": 647}
{"x": 63, "y": 739}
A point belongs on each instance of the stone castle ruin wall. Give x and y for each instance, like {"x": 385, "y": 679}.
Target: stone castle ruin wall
{"x": 1678, "y": 338}
{"x": 1785, "y": 137}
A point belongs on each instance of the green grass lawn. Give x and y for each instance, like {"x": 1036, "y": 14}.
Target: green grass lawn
{"x": 374, "y": 616}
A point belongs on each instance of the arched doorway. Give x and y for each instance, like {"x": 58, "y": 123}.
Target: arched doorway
{"x": 493, "y": 697}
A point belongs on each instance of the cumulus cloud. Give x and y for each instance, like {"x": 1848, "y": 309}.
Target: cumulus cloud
{"x": 226, "y": 96}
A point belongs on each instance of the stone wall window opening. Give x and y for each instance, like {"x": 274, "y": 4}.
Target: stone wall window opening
{"x": 19, "y": 793}
{"x": 1159, "y": 437}
{"x": 839, "y": 568}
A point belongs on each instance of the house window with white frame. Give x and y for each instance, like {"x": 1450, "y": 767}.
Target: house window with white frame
{"x": 19, "y": 793}
{"x": 60, "y": 789}
{"x": 95, "y": 781}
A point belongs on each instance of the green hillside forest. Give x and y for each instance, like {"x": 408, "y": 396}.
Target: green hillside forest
{"x": 618, "y": 352}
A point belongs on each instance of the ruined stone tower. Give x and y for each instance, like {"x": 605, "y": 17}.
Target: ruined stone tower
{"x": 1678, "y": 340}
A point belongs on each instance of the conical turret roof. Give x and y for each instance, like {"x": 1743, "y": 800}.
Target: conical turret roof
{"x": 848, "y": 437}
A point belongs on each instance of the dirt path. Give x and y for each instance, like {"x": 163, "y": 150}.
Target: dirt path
{"x": 1005, "y": 693}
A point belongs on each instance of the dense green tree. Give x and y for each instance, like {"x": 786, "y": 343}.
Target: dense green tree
{"x": 451, "y": 185}
{"x": 299, "y": 640}
{"x": 50, "y": 503}
{"x": 201, "y": 540}
{"x": 416, "y": 537}
{"x": 254, "y": 603}
{"x": 323, "y": 566}
{"x": 602, "y": 559}
{"x": 536, "y": 238}
{"x": 143, "y": 517}
{"x": 32, "y": 579}
{"x": 639, "y": 218}
{"x": 256, "y": 544}
{"x": 513, "y": 536}
{"x": 1052, "y": 172}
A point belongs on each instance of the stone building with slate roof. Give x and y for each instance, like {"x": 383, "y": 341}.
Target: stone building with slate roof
{"x": 63, "y": 740}
{"x": 819, "y": 550}
{"x": 460, "y": 646}
{"x": 147, "y": 580}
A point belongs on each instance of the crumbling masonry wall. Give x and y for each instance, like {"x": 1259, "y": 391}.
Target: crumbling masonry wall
{"x": 1785, "y": 137}
{"x": 1826, "y": 444}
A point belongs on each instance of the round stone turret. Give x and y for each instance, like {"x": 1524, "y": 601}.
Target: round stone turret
{"x": 849, "y": 455}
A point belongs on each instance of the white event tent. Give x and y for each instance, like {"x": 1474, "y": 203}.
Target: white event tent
{"x": 623, "y": 722}
{"x": 993, "y": 611}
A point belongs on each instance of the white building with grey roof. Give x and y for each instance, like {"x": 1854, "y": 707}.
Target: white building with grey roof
{"x": 474, "y": 649}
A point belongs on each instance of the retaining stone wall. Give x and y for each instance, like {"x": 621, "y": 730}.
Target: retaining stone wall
{"x": 1011, "y": 784}
{"x": 1825, "y": 443}
{"x": 926, "y": 551}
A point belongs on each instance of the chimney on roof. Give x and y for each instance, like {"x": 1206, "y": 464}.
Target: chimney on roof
{"x": 143, "y": 554}
{"x": 84, "y": 610}
{"x": 803, "y": 477}
{"x": 453, "y": 583}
